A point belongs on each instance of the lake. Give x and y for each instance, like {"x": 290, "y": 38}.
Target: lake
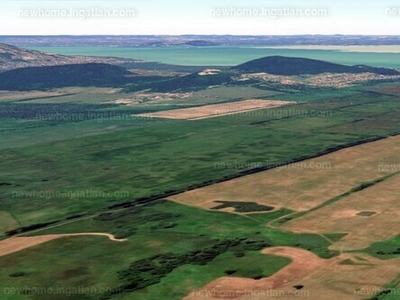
{"x": 230, "y": 56}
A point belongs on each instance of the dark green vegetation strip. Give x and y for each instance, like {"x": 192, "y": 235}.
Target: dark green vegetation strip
{"x": 67, "y": 112}
{"x": 146, "y": 272}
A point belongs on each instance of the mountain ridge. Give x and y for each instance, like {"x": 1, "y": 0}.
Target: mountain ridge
{"x": 12, "y": 57}
{"x": 291, "y": 66}
{"x": 270, "y": 65}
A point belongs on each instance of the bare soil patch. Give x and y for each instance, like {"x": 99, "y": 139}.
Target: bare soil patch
{"x": 15, "y": 244}
{"x": 215, "y": 110}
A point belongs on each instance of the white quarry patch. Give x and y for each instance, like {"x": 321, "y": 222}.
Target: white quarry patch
{"x": 209, "y": 72}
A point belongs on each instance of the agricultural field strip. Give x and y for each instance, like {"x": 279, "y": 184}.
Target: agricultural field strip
{"x": 27, "y": 96}
{"x": 214, "y": 110}
{"x": 359, "y": 188}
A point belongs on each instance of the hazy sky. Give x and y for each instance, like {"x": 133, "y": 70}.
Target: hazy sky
{"x": 200, "y": 17}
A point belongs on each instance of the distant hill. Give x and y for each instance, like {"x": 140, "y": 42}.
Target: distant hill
{"x": 13, "y": 57}
{"x": 275, "y": 65}
{"x": 193, "y": 82}
{"x": 200, "y": 43}
{"x": 91, "y": 74}
{"x": 289, "y": 66}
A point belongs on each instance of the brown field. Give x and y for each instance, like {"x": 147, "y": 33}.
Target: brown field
{"x": 321, "y": 279}
{"x": 366, "y": 216}
{"x": 304, "y": 185}
{"x": 216, "y": 110}
{"x": 341, "y": 216}
{"x": 17, "y": 243}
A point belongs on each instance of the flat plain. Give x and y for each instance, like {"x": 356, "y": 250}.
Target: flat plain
{"x": 100, "y": 190}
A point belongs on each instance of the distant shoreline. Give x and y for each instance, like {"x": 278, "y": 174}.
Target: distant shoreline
{"x": 360, "y": 48}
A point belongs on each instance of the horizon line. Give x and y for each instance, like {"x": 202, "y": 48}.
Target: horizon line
{"x": 194, "y": 34}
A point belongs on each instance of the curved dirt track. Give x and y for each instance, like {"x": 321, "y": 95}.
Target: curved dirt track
{"x": 18, "y": 243}
{"x": 303, "y": 264}
{"x": 315, "y": 278}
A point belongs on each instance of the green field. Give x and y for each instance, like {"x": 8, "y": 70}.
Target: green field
{"x": 161, "y": 228}
{"x": 152, "y": 157}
